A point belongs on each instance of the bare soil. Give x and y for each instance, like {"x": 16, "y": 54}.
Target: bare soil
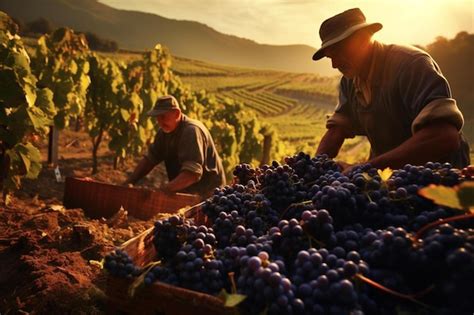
{"x": 46, "y": 250}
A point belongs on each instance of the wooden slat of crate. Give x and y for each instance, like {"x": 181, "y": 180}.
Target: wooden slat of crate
{"x": 163, "y": 299}
{"x": 103, "y": 200}
{"x": 160, "y": 298}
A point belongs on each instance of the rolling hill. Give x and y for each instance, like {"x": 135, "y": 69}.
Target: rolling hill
{"x": 139, "y": 31}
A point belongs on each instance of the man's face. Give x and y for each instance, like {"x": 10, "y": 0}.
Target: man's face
{"x": 168, "y": 121}
{"x": 347, "y": 56}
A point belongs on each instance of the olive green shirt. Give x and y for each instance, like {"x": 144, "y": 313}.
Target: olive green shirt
{"x": 189, "y": 147}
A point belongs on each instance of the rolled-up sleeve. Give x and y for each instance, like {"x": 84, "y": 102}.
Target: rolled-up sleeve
{"x": 191, "y": 152}
{"x": 426, "y": 94}
{"x": 444, "y": 109}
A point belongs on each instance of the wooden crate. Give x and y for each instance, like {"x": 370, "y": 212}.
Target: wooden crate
{"x": 159, "y": 298}
{"x": 103, "y": 200}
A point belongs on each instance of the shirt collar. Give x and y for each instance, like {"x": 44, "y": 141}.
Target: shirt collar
{"x": 371, "y": 63}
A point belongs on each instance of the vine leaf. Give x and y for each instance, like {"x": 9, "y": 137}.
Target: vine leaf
{"x": 96, "y": 263}
{"x": 466, "y": 195}
{"x": 231, "y": 300}
{"x": 458, "y": 197}
{"x": 385, "y": 174}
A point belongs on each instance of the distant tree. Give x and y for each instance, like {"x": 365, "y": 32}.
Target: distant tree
{"x": 40, "y": 26}
{"x": 455, "y": 57}
{"x": 18, "y": 27}
{"x": 100, "y": 44}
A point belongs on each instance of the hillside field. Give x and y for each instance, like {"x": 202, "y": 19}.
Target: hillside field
{"x": 295, "y": 104}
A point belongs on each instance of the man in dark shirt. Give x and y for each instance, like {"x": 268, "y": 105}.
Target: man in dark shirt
{"x": 395, "y": 95}
{"x": 186, "y": 146}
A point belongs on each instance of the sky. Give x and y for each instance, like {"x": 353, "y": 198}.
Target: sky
{"x": 282, "y": 22}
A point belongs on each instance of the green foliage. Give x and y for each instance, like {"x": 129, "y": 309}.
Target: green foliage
{"x": 113, "y": 97}
{"x": 458, "y": 197}
{"x": 223, "y": 135}
{"x": 145, "y": 80}
{"x": 454, "y": 57}
{"x": 25, "y": 111}
{"x": 104, "y": 96}
{"x": 231, "y": 299}
{"x": 61, "y": 64}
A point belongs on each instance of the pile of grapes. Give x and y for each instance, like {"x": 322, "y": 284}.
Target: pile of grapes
{"x": 304, "y": 238}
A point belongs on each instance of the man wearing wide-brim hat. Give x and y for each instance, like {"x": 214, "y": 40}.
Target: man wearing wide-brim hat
{"x": 186, "y": 146}
{"x": 395, "y": 95}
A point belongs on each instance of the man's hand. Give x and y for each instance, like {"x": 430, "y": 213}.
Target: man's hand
{"x": 346, "y": 167}
{"x": 349, "y": 169}
{"x": 127, "y": 183}
{"x": 166, "y": 189}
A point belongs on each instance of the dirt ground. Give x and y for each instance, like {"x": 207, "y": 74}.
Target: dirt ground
{"x": 45, "y": 250}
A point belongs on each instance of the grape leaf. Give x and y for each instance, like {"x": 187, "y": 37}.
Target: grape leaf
{"x": 125, "y": 114}
{"x": 442, "y": 195}
{"x": 385, "y": 174}
{"x": 466, "y": 195}
{"x": 31, "y": 158}
{"x": 97, "y": 263}
{"x": 231, "y": 300}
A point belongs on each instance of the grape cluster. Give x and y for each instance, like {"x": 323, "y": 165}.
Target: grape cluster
{"x": 341, "y": 200}
{"x": 447, "y": 257}
{"x": 323, "y": 280}
{"x": 243, "y": 237}
{"x": 197, "y": 270}
{"x": 263, "y": 284}
{"x": 318, "y": 224}
{"x": 169, "y": 235}
{"x": 281, "y": 186}
{"x": 353, "y": 237}
{"x": 389, "y": 249}
{"x": 259, "y": 215}
{"x": 288, "y": 238}
{"x": 224, "y": 226}
{"x": 300, "y": 238}
{"x": 226, "y": 199}
{"x": 295, "y": 210}
{"x": 430, "y": 173}
{"x": 311, "y": 169}
{"x": 162, "y": 274}
{"x": 230, "y": 258}
{"x": 119, "y": 264}
{"x": 243, "y": 173}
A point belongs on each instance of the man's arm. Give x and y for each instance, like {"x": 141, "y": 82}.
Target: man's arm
{"x": 332, "y": 141}
{"x": 183, "y": 180}
{"x": 429, "y": 143}
{"x": 142, "y": 169}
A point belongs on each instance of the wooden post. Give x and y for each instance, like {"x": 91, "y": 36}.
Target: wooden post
{"x": 53, "y": 145}
{"x": 267, "y": 147}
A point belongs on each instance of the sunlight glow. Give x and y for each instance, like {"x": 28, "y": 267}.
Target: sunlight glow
{"x": 297, "y": 21}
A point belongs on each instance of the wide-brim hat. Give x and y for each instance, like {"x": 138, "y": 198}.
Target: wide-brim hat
{"x": 340, "y": 27}
{"x": 164, "y": 104}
